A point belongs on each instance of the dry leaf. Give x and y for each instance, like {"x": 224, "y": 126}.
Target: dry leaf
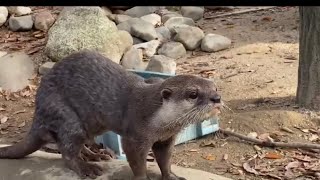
{"x": 2, "y": 109}
{"x": 209, "y": 157}
{"x": 225, "y": 157}
{"x": 305, "y": 130}
{"x": 19, "y": 112}
{"x": 249, "y": 169}
{"x": 313, "y": 137}
{"x": 193, "y": 150}
{"x": 22, "y": 124}
{"x": 293, "y": 164}
{"x": 257, "y": 148}
{"x": 3, "y": 119}
{"x": 286, "y": 129}
{"x": 207, "y": 144}
{"x": 273, "y": 155}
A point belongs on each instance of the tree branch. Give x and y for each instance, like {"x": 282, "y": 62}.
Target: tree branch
{"x": 271, "y": 144}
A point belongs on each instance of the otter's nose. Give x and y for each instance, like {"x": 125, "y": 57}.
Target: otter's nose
{"x": 216, "y": 98}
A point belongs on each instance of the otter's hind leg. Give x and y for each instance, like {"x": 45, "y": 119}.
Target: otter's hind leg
{"x": 70, "y": 139}
{"x": 162, "y": 152}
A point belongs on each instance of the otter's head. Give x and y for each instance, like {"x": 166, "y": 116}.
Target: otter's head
{"x": 189, "y": 99}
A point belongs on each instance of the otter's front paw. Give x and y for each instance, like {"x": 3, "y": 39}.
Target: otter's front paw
{"x": 173, "y": 177}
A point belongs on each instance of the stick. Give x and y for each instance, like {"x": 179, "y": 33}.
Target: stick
{"x": 271, "y": 144}
{"x": 239, "y": 12}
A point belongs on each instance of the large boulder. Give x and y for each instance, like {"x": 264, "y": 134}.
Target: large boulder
{"x": 3, "y": 15}
{"x": 15, "y": 71}
{"x": 79, "y": 28}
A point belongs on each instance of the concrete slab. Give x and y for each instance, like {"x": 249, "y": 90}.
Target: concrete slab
{"x": 47, "y": 166}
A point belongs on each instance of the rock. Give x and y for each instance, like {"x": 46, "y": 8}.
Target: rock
{"x": 148, "y": 48}
{"x": 3, "y": 15}
{"x": 133, "y": 59}
{"x": 106, "y": 10}
{"x": 189, "y": 36}
{"x": 137, "y": 40}
{"x": 126, "y": 39}
{"x": 15, "y": 71}
{"x": 193, "y": 12}
{"x": 21, "y": 23}
{"x": 174, "y": 50}
{"x": 119, "y": 18}
{"x": 169, "y": 15}
{"x": 154, "y": 19}
{"x": 79, "y": 28}
{"x": 163, "y": 33}
{"x": 175, "y": 21}
{"x": 118, "y": 11}
{"x": 49, "y": 166}
{"x": 45, "y": 68}
{"x": 162, "y": 64}
{"x": 143, "y": 30}
{"x": 19, "y": 10}
{"x": 215, "y": 42}
{"x": 43, "y": 21}
{"x": 3, "y": 53}
{"x": 139, "y": 11}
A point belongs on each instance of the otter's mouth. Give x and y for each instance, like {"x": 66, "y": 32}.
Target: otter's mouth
{"x": 213, "y": 112}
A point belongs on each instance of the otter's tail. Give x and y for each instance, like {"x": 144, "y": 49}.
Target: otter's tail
{"x": 23, "y": 148}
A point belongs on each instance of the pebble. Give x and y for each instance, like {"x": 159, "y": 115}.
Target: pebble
{"x": 162, "y": 64}
{"x": 175, "y": 21}
{"x": 45, "y": 68}
{"x": 174, "y": 50}
{"x": 154, "y": 19}
{"x": 19, "y": 10}
{"x": 139, "y": 11}
{"x": 126, "y": 39}
{"x": 143, "y": 30}
{"x": 15, "y": 71}
{"x": 189, "y": 36}
{"x": 133, "y": 59}
{"x": 120, "y": 18}
{"x": 169, "y": 15}
{"x": 164, "y": 33}
{"x": 3, "y": 15}
{"x": 21, "y": 23}
{"x": 148, "y": 48}
{"x": 215, "y": 42}
{"x": 193, "y": 12}
{"x": 43, "y": 21}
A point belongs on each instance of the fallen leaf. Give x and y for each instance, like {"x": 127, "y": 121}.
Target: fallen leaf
{"x": 19, "y": 112}
{"x": 2, "y": 109}
{"x": 305, "y": 130}
{"x": 257, "y": 148}
{"x": 249, "y": 169}
{"x": 313, "y": 137}
{"x": 207, "y": 144}
{"x": 293, "y": 164}
{"x": 273, "y": 155}
{"x": 209, "y": 157}
{"x": 4, "y": 119}
{"x": 225, "y": 157}
{"x": 193, "y": 150}
{"x": 22, "y": 124}
{"x": 286, "y": 129}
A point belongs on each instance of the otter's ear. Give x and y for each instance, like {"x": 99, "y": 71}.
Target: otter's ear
{"x": 166, "y": 93}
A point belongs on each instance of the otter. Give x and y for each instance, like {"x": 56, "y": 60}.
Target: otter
{"x": 86, "y": 94}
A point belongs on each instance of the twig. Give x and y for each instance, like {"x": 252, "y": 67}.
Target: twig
{"x": 239, "y": 12}
{"x": 271, "y": 144}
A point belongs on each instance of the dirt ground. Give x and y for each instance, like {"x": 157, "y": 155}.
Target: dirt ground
{"x": 257, "y": 78}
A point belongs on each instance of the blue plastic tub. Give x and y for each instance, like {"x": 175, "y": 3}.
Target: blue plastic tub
{"x": 193, "y": 131}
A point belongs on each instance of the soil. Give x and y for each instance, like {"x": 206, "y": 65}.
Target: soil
{"x": 257, "y": 78}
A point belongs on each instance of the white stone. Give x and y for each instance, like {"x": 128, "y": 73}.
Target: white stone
{"x": 174, "y": 50}
{"x": 176, "y": 21}
{"x": 120, "y": 18}
{"x": 215, "y": 42}
{"x": 148, "y": 48}
{"x": 193, "y": 12}
{"x": 162, "y": 64}
{"x": 154, "y": 19}
{"x": 3, "y": 15}
{"x": 133, "y": 59}
{"x": 139, "y": 11}
{"x": 189, "y": 36}
{"x": 21, "y": 23}
{"x": 19, "y": 10}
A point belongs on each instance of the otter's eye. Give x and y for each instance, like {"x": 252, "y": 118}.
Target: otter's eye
{"x": 193, "y": 95}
